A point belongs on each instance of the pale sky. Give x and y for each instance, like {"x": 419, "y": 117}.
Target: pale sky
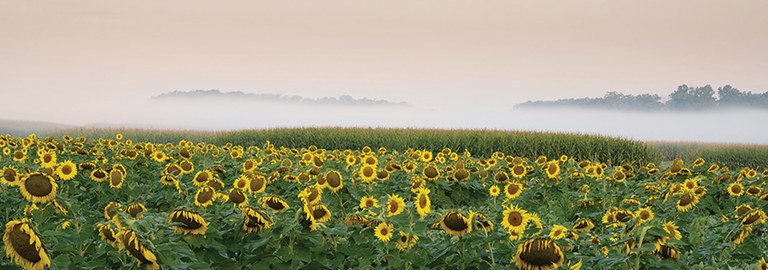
{"x": 427, "y": 52}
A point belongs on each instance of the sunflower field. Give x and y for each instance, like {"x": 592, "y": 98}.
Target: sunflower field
{"x": 109, "y": 203}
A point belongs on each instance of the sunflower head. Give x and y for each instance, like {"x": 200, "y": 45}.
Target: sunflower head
{"x": 205, "y": 196}
{"x": 38, "y": 187}
{"x": 406, "y": 241}
{"x": 583, "y": 225}
{"x": 384, "y": 231}
{"x": 274, "y": 202}
{"x": 254, "y": 221}
{"x": 538, "y": 254}
{"x": 395, "y": 205}
{"x": 515, "y": 218}
{"x": 132, "y": 243}
{"x": 23, "y": 246}
{"x": 455, "y": 223}
{"x": 188, "y": 222}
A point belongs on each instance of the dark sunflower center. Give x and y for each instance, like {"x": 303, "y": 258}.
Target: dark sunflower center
{"x": 236, "y": 196}
{"x": 319, "y": 213}
{"x": 430, "y": 172}
{"x": 581, "y": 225}
{"x": 623, "y": 216}
{"x": 686, "y": 200}
{"x": 47, "y": 158}
{"x": 753, "y": 190}
{"x": 552, "y": 170}
{"x": 384, "y": 231}
{"x": 423, "y": 201}
{"x": 20, "y": 243}
{"x": 736, "y": 189}
{"x": 369, "y": 203}
{"x": 367, "y": 172}
{"x": 186, "y": 166}
{"x": 135, "y": 250}
{"x": 393, "y": 206}
{"x": 455, "y": 222}
{"x": 644, "y": 215}
{"x": 518, "y": 170}
{"x": 257, "y": 184}
{"x": 108, "y": 234}
{"x": 276, "y": 204}
{"x": 202, "y": 178}
{"x": 18, "y": 155}
{"x": 333, "y": 179}
{"x": 382, "y": 174}
{"x": 513, "y": 189}
{"x": 539, "y": 253}
{"x": 403, "y": 238}
{"x": 205, "y": 196}
{"x": 742, "y": 210}
{"x": 515, "y": 219}
{"x": 38, "y": 185}
{"x": 9, "y": 175}
{"x": 116, "y": 177}
{"x": 99, "y": 174}
{"x": 66, "y": 170}
{"x": 461, "y": 174}
{"x": 750, "y": 219}
{"x": 134, "y": 210}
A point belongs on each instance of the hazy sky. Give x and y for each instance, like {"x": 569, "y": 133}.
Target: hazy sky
{"x": 427, "y": 52}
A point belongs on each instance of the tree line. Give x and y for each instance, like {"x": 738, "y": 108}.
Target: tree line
{"x": 685, "y": 98}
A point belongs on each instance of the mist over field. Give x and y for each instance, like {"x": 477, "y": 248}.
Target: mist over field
{"x": 725, "y": 126}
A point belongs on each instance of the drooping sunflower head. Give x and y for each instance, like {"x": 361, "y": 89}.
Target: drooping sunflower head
{"x": 23, "y": 246}
{"x": 254, "y": 221}
{"x": 406, "y": 241}
{"x": 762, "y": 264}
{"x": 430, "y": 172}
{"x": 455, "y": 223}
{"x": 205, "y": 196}
{"x": 273, "y": 202}
{"x": 395, "y": 205}
{"x": 99, "y": 175}
{"x": 107, "y": 234}
{"x": 202, "y": 177}
{"x": 320, "y": 213}
{"x": 754, "y": 191}
{"x": 135, "y": 209}
{"x": 671, "y": 228}
{"x": 237, "y": 196}
{"x": 258, "y": 184}
{"x": 583, "y": 225}
{"x": 754, "y": 217}
{"x": 38, "y": 187}
{"x": 333, "y": 180}
{"x": 131, "y": 241}
{"x": 687, "y": 201}
{"x": 742, "y": 209}
{"x": 187, "y": 222}
{"x": 538, "y": 253}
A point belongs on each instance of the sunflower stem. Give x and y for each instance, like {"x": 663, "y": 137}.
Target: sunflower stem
{"x": 640, "y": 245}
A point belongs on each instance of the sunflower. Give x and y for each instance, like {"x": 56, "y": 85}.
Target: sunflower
{"x": 736, "y": 189}
{"x": 461, "y": 174}
{"x": 19, "y": 156}
{"x": 135, "y": 209}
{"x": 48, "y": 160}
{"x": 671, "y": 228}
{"x": 515, "y": 219}
{"x": 66, "y": 170}
{"x": 423, "y": 202}
{"x": 501, "y": 177}
{"x": 395, "y": 205}
{"x": 368, "y": 202}
{"x": 320, "y": 213}
{"x": 515, "y": 235}
{"x": 315, "y": 193}
{"x": 518, "y": 171}
{"x": 644, "y": 214}
{"x": 583, "y": 225}
{"x": 430, "y": 172}
{"x": 116, "y": 179}
{"x": 754, "y": 191}
{"x": 513, "y": 190}
{"x": 24, "y": 247}
{"x": 187, "y": 222}
{"x": 205, "y": 196}
{"x": 38, "y": 187}
{"x": 742, "y": 209}
{"x": 274, "y": 202}
{"x": 237, "y": 196}
{"x": 665, "y": 251}
{"x": 742, "y": 235}
{"x": 687, "y": 201}
{"x": 538, "y": 254}
{"x": 558, "y": 232}
{"x": 454, "y": 223}
{"x": 159, "y": 156}
{"x": 384, "y": 231}
{"x": 762, "y": 264}
{"x": 755, "y": 217}
{"x": 9, "y": 176}
{"x": 186, "y": 166}
{"x": 202, "y": 177}
{"x": 241, "y": 182}
{"x": 406, "y": 241}
{"x": 333, "y": 181}
{"x": 111, "y": 210}
{"x": 107, "y": 234}
{"x": 254, "y": 221}
{"x": 494, "y": 191}
{"x": 132, "y": 243}
{"x": 552, "y": 169}
{"x": 257, "y": 184}
{"x": 168, "y": 180}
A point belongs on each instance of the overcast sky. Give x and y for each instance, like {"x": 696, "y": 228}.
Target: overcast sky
{"x": 426, "y": 52}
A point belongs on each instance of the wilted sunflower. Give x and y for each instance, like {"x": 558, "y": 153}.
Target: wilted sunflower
{"x": 202, "y": 177}
{"x": 315, "y": 193}
{"x": 513, "y": 190}
{"x": 406, "y": 241}
{"x": 538, "y": 254}
{"x": 671, "y": 228}
{"x": 755, "y": 217}
{"x": 515, "y": 219}
{"x": 257, "y": 184}
{"x": 205, "y": 196}
{"x": 24, "y": 247}
{"x": 99, "y": 175}
{"x": 135, "y": 209}
{"x": 742, "y": 235}
{"x": 395, "y": 205}
{"x": 736, "y": 189}
{"x": 273, "y": 202}
{"x": 320, "y": 213}
{"x": 116, "y": 179}
{"x": 131, "y": 241}
{"x": 558, "y": 232}
{"x": 754, "y": 191}
{"x": 254, "y": 221}
{"x": 583, "y": 225}
{"x": 237, "y": 196}
{"x": 644, "y": 214}
{"x": 384, "y": 231}
{"x": 455, "y": 223}
{"x": 188, "y": 222}
{"x": 333, "y": 181}
{"x": 742, "y": 209}
{"x": 666, "y": 252}
{"x": 687, "y": 201}
{"x": 9, "y": 176}
{"x": 111, "y": 210}
{"x": 168, "y": 180}
{"x": 423, "y": 202}
{"x": 38, "y": 187}
{"x": 66, "y": 170}
{"x": 107, "y": 234}
{"x": 367, "y": 202}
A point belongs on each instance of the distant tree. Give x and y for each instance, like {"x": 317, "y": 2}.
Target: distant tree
{"x": 686, "y": 98}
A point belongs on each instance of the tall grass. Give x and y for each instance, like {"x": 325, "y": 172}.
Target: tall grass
{"x": 731, "y": 155}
